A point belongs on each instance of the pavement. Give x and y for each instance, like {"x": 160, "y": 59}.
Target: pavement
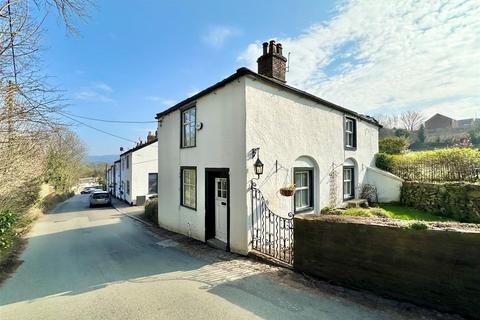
{"x": 101, "y": 263}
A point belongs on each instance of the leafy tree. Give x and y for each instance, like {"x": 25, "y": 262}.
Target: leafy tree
{"x": 402, "y": 133}
{"x": 421, "y": 134}
{"x": 393, "y": 145}
{"x": 474, "y": 132}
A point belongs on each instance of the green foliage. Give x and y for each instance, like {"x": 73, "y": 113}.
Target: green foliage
{"x": 400, "y": 212}
{"x": 379, "y": 212}
{"x": 447, "y": 164}
{"x": 64, "y": 161}
{"x": 474, "y": 133}
{"x": 151, "y": 210}
{"x": 384, "y": 161}
{"x": 402, "y": 133}
{"x": 8, "y": 225}
{"x": 421, "y": 134}
{"x": 393, "y": 145}
{"x": 416, "y": 226}
{"x": 357, "y": 212}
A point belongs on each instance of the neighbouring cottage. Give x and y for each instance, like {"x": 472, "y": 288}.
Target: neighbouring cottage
{"x": 116, "y": 178}
{"x": 208, "y": 145}
{"x": 138, "y": 167}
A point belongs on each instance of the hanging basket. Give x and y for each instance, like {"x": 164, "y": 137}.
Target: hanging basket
{"x": 288, "y": 191}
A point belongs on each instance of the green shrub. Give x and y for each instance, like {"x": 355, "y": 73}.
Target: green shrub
{"x": 384, "y": 161}
{"x": 393, "y": 145}
{"x": 440, "y": 165}
{"x": 8, "y": 225}
{"x": 357, "y": 212}
{"x": 416, "y": 226}
{"x": 151, "y": 210}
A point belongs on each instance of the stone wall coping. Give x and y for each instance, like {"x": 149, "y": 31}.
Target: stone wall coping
{"x": 393, "y": 223}
{"x": 385, "y": 173}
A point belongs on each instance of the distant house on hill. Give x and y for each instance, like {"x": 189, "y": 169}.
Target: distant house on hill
{"x": 443, "y": 129}
{"x": 439, "y": 121}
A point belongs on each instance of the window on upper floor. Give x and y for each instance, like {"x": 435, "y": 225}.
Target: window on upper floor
{"x": 350, "y": 133}
{"x": 152, "y": 182}
{"x": 189, "y": 132}
{"x": 188, "y": 176}
{"x": 303, "y": 189}
{"x": 128, "y": 160}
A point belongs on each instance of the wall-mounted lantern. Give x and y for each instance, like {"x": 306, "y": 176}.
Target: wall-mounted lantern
{"x": 258, "y": 165}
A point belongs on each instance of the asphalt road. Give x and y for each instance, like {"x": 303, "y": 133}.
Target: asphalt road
{"x": 83, "y": 263}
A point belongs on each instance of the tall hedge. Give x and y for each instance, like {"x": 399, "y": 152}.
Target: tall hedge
{"x": 448, "y": 164}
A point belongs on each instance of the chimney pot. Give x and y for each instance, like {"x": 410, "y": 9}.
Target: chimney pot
{"x": 265, "y": 48}
{"x": 279, "y": 48}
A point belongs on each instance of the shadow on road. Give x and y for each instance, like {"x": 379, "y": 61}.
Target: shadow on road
{"x": 80, "y": 260}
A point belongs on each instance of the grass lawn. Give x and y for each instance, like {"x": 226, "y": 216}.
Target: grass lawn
{"x": 404, "y": 213}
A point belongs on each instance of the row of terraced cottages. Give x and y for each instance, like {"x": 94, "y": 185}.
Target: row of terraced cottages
{"x": 252, "y": 131}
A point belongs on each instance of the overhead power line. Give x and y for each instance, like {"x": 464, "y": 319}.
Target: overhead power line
{"x": 104, "y": 120}
{"x": 96, "y": 129}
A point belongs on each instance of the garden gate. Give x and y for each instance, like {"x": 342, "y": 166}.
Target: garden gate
{"x": 272, "y": 234}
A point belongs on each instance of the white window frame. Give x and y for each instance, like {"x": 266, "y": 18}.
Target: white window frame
{"x": 189, "y": 187}
{"x": 350, "y": 133}
{"x": 190, "y": 140}
{"x": 350, "y": 181}
{"x": 308, "y": 187}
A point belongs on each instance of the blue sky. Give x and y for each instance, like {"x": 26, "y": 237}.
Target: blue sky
{"x": 132, "y": 60}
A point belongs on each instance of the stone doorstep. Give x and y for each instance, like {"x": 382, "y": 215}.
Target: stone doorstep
{"x": 357, "y": 203}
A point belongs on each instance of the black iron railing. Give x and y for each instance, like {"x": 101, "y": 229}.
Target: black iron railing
{"x": 272, "y": 234}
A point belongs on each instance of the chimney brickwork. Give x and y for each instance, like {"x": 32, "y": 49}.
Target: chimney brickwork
{"x": 272, "y": 63}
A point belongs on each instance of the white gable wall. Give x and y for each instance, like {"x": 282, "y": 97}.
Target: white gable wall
{"x": 219, "y": 144}
{"x": 117, "y": 179}
{"x": 299, "y": 132}
{"x": 144, "y": 161}
{"x": 126, "y": 175}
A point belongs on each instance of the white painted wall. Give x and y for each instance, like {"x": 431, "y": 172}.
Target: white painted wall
{"x": 144, "y": 161}
{"x": 388, "y": 185}
{"x": 117, "y": 179}
{"x": 246, "y": 114}
{"x": 220, "y": 144}
{"x": 126, "y": 175}
{"x": 298, "y": 132}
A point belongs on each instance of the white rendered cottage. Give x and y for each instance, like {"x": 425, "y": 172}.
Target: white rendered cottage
{"x": 138, "y": 172}
{"x": 208, "y": 144}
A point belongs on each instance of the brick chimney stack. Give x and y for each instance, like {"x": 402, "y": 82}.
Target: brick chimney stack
{"x": 151, "y": 136}
{"x": 272, "y": 63}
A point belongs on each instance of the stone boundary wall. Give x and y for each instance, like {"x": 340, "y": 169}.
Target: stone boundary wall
{"x": 433, "y": 268}
{"x": 454, "y": 200}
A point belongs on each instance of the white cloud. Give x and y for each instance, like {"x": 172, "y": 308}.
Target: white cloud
{"x": 102, "y": 86}
{"x": 167, "y": 102}
{"x": 389, "y": 56}
{"x": 217, "y": 35}
{"x": 97, "y": 91}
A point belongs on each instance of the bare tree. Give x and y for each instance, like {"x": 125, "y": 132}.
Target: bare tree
{"x": 29, "y": 107}
{"x": 387, "y": 121}
{"x": 411, "y": 120}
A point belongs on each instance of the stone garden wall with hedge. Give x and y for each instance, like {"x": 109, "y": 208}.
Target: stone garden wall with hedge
{"x": 455, "y": 200}
{"x": 435, "y": 268}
